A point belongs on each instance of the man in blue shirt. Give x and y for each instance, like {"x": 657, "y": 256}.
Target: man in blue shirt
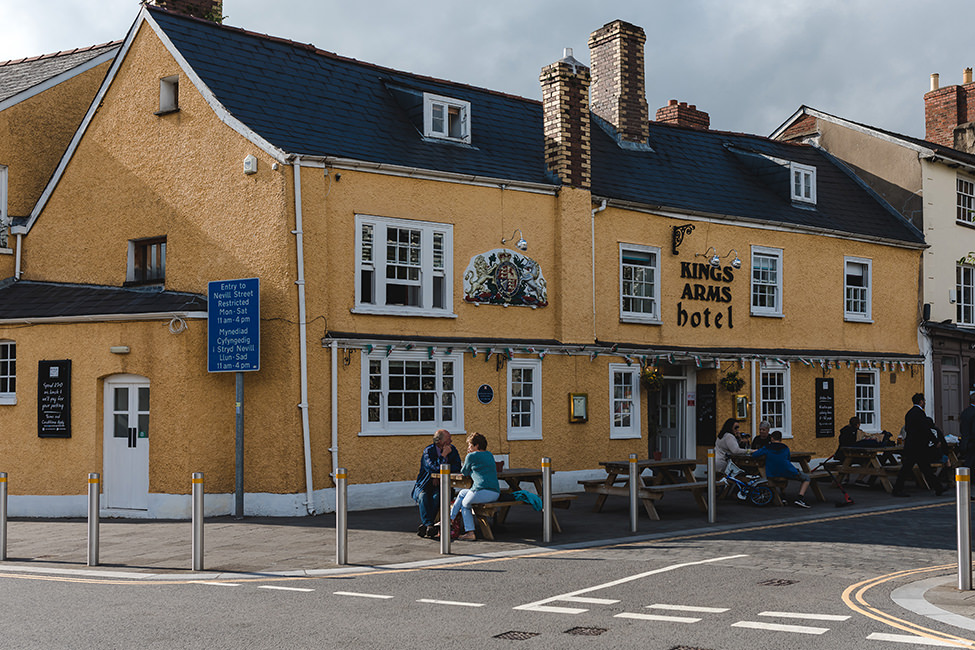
{"x": 778, "y": 464}
{"x": 426, "y": 492}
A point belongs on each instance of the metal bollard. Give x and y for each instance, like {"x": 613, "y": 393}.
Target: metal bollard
{"x": 93, "y": 493}
{"x": 634, "y": 477}
{"x": 3, "y": 515}
{"x": 198, "y": 521}
{"x": 964, "y": 509}
{"x": 445, "y": 509}
{"x": 712, "y": 489}
{"x": 546, "y": 500}
{"x": 341, "y": 517}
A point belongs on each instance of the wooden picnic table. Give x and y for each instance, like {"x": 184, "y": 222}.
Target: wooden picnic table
{"x": 879, "y": 462}
{"x": 753, "y": 465}
{"x": 513, "y": 477}
{"x": 667, "y": 476}
{"x": 488, "y": 515}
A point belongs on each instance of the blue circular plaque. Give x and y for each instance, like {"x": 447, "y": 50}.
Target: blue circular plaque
{"x": 485, "y": 394}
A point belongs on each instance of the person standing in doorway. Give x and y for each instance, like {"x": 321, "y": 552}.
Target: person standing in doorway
{"x": 920, "y": 435}
{"x": 426, "y": 491}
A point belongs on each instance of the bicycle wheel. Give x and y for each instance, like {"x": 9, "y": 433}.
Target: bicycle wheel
{"x": 761, "y": 495}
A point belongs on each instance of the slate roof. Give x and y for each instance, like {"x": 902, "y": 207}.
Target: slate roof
{"x": 310, "y": 102}
{"x": 21, "y": 74}
{"x": 29, "y": 299}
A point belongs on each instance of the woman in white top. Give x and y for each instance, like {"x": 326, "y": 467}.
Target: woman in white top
{"x": 726, "y": 446}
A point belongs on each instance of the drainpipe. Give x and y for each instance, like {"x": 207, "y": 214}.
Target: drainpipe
{"x": 334, "y": 383}
{"x": 302, "y": 335}
{"x": 751, "y": 386}
{"x": 20, "y": 243}
{"x": 592, "y": 244}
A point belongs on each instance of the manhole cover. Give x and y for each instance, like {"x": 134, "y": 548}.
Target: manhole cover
{"x": 586, "y": 631}
{"x": 777, "y": 582}
{"x": 516, "y": 636}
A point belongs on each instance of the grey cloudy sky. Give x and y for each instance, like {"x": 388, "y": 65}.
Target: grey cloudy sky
{"x": 749, "y": 63}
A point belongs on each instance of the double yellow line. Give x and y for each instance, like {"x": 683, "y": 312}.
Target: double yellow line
{"x": 854, "y": 597}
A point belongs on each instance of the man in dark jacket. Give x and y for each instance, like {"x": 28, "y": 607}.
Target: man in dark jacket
{"x": 426, "y": 492}
{"x": 920, "y": 436}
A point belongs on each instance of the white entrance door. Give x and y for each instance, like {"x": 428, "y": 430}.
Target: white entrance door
{"x": 670, "y": 442}
{"x": 126, "y": 457}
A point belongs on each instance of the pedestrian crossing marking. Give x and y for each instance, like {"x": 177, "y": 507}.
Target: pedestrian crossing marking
{"x": 658, "y": 617}
{"x": 778, "y": 627}
{"x": 689, "y": 608}
{"x": 814, "y": 617}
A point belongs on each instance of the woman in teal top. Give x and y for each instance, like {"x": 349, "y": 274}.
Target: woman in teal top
{"x": 479, "y": 465}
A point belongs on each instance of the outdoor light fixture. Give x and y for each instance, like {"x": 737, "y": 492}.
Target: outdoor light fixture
{"x": 714, "y": 260}
{"x": 521, "y": 244}
{"x": 735, "y": 263}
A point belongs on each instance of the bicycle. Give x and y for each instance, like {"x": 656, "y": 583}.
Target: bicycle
{"x": 755, "y": 490}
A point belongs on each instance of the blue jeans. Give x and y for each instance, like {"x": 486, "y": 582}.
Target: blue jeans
{"x": 465, "y": 499}
{"x": 429, "y": 502}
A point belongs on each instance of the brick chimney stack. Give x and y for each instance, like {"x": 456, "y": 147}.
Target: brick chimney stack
{"x": 211, "y": 10}
{"x": 565, "y": 113}
{"x": 949, "y": 113}
{"x": 681, "y": 114}
{"x": 619, "y": 93}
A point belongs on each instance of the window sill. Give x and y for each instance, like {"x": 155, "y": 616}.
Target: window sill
{"x": 168, "y": 111}
{"x": 624, "y": 436}
{"x": 424, "y": 431}
{"x": 767, "y": 314}
{"x": 402, "y": 311}
{"x": 857, "y": 319}
{"x": 641, "y": 320}
{"x": 524, "y": 435}
{"x": 8, "y": 400}
{"x": 6, "y": 251}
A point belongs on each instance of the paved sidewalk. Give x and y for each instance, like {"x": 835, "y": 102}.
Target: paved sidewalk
{"x": 153, "y": 549}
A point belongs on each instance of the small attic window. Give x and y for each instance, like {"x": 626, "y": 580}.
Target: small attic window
{"x": 446, "y": 118}
{"x": 803, "y": 183}
{"x": 168, "y": 95}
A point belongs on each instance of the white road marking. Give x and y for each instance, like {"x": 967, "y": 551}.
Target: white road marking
{"x": 591, "y": 601}
{"x": 284, "y": 588}
{"x": 449, "y": 602}
{"x": 538, "y": 605}
{"x": 359, "y": 595}
{"x": 908, "y": 638}
{"x": 812, "y": 617}
{"x": 658, "y": 617}
{"x": 776, "y": 627}
{"x": 216, "y": 584}
{"x": 689, "y": 608}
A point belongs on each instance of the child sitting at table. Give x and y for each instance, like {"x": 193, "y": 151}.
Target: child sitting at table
{"x": 778, "y": 464}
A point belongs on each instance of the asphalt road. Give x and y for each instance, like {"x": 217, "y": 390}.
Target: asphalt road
{"x": 815, "y": 584}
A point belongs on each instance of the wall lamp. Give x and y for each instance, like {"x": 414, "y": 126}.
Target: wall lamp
{"x": 521, "y": 244}
{"x": 715, "y": 260}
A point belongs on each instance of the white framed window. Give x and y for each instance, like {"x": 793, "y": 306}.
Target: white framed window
{"x": 766, "y": 281}
{"x": 411, "y": 392}
{"x": 8, "y": 372}
{"x": 168, "y": 94}
{"x": 965, "y": 294}
{"x": 624, "y": 401}
{"x": 446, "y": 118}
{"x": 403, "y": 267}
{"x": 965, "y": 193}
{"x": 4, "y": 222}
{"x": 776, "y": 406}
{"x": 803, "y": 183}
{"x": 639, "y": 279}
{"x": 857, "y": 288}
{"x": 867, "y": 399}
{"x": 525, "y": 399}
{"x": 147, "y": 261}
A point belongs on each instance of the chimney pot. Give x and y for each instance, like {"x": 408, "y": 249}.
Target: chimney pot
{"x": 934, "y": 81}
{"x": 566, "y": 52}
{"x": 966, "y": 76}
{"x": 672, "y": 102}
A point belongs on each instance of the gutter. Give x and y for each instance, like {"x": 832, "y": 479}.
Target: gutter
{"x": 302, "y": 333}
{"x": 592, "y": 259}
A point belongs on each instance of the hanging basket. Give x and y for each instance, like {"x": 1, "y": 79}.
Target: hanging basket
{"x": 651, "y": 378}
{"x": 732, "y": 382}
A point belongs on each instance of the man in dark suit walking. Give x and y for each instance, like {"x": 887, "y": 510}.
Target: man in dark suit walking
{"x": 919, "y": 437}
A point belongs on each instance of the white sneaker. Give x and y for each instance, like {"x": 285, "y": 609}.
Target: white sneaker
{"x": 799, "y": 503}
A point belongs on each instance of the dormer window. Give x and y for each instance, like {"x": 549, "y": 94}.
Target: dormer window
{"x": 147, "y": 261}
{"x": 168, "y": 95}
{"x": 447, "y": 119}
{"x": 803, "y": 183}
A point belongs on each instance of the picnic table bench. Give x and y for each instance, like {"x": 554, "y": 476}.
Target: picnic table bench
{"x": 494, "y": 513}
{"x": 672, "y": 475}
{"x": 753, "y": 465}
{"x": 879, "y": 462}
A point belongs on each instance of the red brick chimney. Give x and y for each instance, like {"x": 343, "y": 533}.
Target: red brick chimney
{"x": 565, "y": 113}
{"x": 619, "y": 93}
{"x": 683, "y": 115}
{"x": 948, "y": 112}
{"x": 211, "y": 10}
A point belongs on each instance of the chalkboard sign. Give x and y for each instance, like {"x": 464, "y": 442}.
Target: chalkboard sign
{"x": 707, "y": 413}
{"x": 825, "y": 417}
{"x": 54, "y": 399}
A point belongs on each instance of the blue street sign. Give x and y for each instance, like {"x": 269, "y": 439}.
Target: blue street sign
{"x": 234, "y": 325}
